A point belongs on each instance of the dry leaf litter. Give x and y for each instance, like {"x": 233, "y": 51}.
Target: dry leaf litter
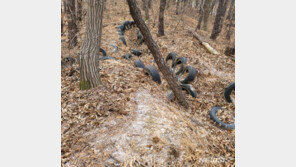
{"x": 129, "y": 121}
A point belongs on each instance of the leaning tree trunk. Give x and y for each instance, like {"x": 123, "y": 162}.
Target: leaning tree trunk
{"x": 152, "y": 46}
{"x": 71, "y": 19}
{"x": 161, "y": 18}
{"x": 203, "y": 42}
{"x": 219, "y": 19}
{"x": 89, "y": 73}
{"x": 206, "y": 14}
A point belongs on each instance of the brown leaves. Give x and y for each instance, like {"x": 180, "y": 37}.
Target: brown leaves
{"x": 85, "y": 111}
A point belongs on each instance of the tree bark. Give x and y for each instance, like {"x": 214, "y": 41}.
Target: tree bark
{"x": 231, "y": 20}
{"x": 206, "y": 14}
{"x": 143, "y": 5}
{"x": 152, "y": 46}
{"x": 146, "y": 9}
{"x": 201, "y": 13}
{"x": 79, "y": 10}
{"x": 230, "y": 27}
{"x": 193, "y": 3}
{"x": 149, "y": 4}
{"x": 198, "y": 3}
{"x": 212, "y": 7}
{"x": 219, "y": 19}
{"x": 62, "y": 19}
{"x": 177, "y": 8}
{"x": 203, "y": 42}
{"x": 167, "y": 4}
{"x": 62, "y": 16}
{"x": 161, "y": 18}
{"x": 71, "y": 19}
{"x": 88, "y": 60}
{"x": 231, "y": 11}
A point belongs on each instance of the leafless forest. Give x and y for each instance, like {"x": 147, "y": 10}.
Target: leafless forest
{"x": 143, "y": 82}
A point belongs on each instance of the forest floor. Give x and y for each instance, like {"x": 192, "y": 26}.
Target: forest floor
{"x": 129, "y": 121}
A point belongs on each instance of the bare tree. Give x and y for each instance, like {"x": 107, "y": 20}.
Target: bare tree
{"x": 201, "y": 12}
{"x": 183, "y": 7}
{"x": 88, "y": 60}
{"x": 161, "y": 18}
{"x": 71, "y": 19}
{"x": 230, "y": 27}
{"x": 149, "y": 4}
{"x": 198, "y": 3}
{"x": 177, "y": 7}
{"x": 214, "y": 2}
{"x": 231, "y": 20}
{"x": 79, "y": 10}
{"x": 206, "y": 13}
{"x": 62, "y": 18}
{"x": 167, "y": 4}
{"x": 152, "y": 46}
{"x": 193, "y": 3}
{"x": 231, "y": 11}
{"x": 146, "y": 9}
{"x": 219, "y": 19}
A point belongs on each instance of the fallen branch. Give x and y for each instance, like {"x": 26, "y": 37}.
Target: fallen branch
{"x": 204, "y": 42}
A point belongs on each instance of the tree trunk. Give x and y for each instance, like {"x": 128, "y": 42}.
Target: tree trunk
{"x": 184, "y": 6}
{"x": 62, "y": 19}
{"x": 231, "y": 27}
{"x": 201, "y": 13}
{"x": 79, "y": 10}
{"x": 212, "y": 7}
{"x": 146, "y": 9}
{"x": 219, "y": 19}
{"x": 177, "y": 8}
{"x": 143, "y": 5}
{"x": 161, "y": 18}
{"x": 203, "y": 42}
{"x": 193, "y": 3}
{"x": 149, "y": 4}
{"x": 152, "y": 46}
{"x": 71, "y": 19}
{"x": 198, "y": 4}
{"x": 206, "y": 14}
{"x": 231, "y": 11}
{"x": 105, "y": 3}
{"x": 231, "y": 20}
{"x": 230, "y": 30}
{"x": 89, "y": 73}
{"x": 167, "y": 4}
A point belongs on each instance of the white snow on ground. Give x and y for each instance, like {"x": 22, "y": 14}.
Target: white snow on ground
{"x": 152, "y": 117}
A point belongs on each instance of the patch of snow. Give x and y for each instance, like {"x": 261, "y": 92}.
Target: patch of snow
{"x": 131, "y": 138}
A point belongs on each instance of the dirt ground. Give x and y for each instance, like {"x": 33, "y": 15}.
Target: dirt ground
{"x": 129, "y": 121}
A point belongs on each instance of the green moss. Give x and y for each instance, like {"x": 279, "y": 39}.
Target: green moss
{"x": 84, "y": 85}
